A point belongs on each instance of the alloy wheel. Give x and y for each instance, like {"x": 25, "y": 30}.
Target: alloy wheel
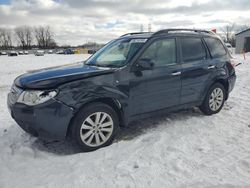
{"x": 96, "y": 129}
{"x": 216, "y": 99}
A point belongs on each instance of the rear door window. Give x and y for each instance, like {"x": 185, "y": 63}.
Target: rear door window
{"x": 192, "y": 49}
{"x": 215, "y": 47}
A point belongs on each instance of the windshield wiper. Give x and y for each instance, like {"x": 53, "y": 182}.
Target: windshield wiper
{"x": 94, "y": 65}
{"x": 111, "y": 66}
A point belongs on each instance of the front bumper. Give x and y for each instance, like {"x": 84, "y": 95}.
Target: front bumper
{"x": 48, "y": 120}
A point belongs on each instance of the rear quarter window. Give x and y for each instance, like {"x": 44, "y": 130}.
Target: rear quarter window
{"x": 215, "y": 47}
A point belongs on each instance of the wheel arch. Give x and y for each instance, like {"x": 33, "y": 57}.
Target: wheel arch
{"x": 222, "y": 81}
{"x": 113, "y": 103}
{"x": 225, "y": 83}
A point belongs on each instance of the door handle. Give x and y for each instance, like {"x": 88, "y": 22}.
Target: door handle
{"x": 176, "y": 73}
{"x": 211, "y": 67}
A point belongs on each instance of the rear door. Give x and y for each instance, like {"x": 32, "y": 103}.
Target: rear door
{"x": 219, "y": 57}
{"x": 195, "y": 74}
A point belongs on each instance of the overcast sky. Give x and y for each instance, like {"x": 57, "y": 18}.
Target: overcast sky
{"x": 78, "y": 21}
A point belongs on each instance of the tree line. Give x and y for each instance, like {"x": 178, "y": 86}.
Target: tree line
{"x": 42, "y": 37}
{"x": 27, "y": 37}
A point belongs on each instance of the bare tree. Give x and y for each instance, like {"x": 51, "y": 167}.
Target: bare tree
{"x": 20, "y": 35}
{"x": 239, "y": 28}
{"x": 24, "y": 35}
{"x": 5, "y": 38}
{"x": 39, "y": 35}
{"x": 28, "y": 36}
{"x": 44, "y": 37}
{"x": 228, "y": 31}
{"x": 1, "y": 37}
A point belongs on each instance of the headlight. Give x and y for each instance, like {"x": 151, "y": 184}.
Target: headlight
{"x": 32, "y": 98}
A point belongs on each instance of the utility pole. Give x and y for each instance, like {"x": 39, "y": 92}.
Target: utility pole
{"x": 149, "y": 27}
{"x": 142, "y": 28}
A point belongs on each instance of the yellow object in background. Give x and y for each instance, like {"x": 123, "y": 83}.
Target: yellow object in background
{"x": 81, "y": 51}
{"x": 77, "y": 51}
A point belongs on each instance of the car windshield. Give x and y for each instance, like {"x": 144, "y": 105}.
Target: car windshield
{"x": 116, "y": 53}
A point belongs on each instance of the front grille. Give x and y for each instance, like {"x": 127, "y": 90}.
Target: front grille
{"x": 14, "y": 93}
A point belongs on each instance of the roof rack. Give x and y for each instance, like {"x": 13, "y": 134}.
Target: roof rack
{"x": 164, "y": 31}
{"x": 136, "y": 33}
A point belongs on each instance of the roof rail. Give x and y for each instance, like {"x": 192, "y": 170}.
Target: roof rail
{"x": 136, "y": 33}
{"x": 164, "y": 31}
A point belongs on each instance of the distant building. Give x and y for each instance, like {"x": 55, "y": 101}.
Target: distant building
{"x": 243, "y": 41}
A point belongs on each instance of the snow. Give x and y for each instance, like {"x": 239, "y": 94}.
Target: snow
{"x": 182, "y": 149}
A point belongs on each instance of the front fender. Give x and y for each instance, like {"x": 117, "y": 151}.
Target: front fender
{"x": 76, "y": 94}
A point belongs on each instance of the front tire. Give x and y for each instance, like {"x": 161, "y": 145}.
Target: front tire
{"x": 214, "y": 99}
{"x": 95, "y": 126}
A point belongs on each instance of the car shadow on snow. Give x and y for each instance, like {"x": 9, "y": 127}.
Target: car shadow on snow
{"x": 56, "y": 147}
{"x": 140, "y": 127}
{"x": 130, "y": 132}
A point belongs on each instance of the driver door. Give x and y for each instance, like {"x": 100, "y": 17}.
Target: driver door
{"x": 159, "y": 88}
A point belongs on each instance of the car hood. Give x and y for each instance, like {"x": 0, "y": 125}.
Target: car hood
{"x": 52, "y": 77}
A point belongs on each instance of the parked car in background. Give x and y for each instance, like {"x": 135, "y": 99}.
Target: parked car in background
{"x": 68, "y": 52}
{"x": 26, "y": 52}
{"x": 39, "y": 53}
{"x": 50, "y": 51}
{"x": 20, "y": 53}
{"x": 135, "y": 76}
{"x": 60, "y": 52}
{"x": 229, "y": 47}
{"x": 65, "y": 52}
{"x": 3, "y": 53}
{"x": 12, "y": 53}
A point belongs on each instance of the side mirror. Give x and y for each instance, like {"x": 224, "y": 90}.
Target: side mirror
{"x": 145, "y": 64}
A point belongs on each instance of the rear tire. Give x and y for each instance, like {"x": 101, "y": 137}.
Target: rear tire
{"x": 94, "y": 126}
{"x": 214, "y": 99}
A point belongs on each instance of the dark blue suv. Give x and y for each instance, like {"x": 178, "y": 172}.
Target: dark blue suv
{"x": 135, "y": 76}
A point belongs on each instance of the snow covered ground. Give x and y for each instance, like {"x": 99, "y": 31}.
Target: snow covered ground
{"x": 183, "y": 149}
